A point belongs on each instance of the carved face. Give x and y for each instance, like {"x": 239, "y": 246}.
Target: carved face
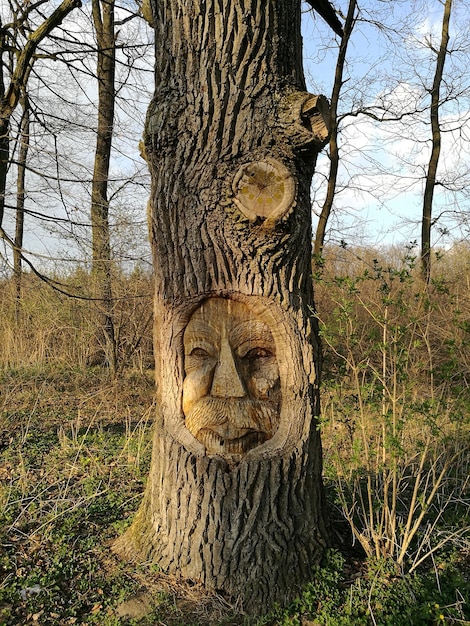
{"x": 231, "y": 390}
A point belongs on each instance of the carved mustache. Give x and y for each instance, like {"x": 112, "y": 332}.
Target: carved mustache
{"x": 238, "y": 414}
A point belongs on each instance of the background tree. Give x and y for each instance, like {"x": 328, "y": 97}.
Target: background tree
{"x": 20, "y": 200}
{"x": 49, "y": 228}
{"x": 103, "y": 20}
{"x": 333, "y": 140}
{"x": 15, "y": 67}
{"x": 384, "y": 125}
{"x": 431, "y": 176}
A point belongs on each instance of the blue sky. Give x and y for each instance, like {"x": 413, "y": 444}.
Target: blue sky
{"x": 381, "y": 179}
{"x": 384, "y": 164}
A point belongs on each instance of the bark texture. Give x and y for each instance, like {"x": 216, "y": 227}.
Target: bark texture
{"x": 230, "y": 106}
{"x": 13, "y": 81}
{"x": 103, "y": 21}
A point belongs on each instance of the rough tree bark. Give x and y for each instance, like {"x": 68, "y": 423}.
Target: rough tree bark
{"x": 15, "y": 67}
{"x": 231, "y": 141}
{"x": 103, "y": 20}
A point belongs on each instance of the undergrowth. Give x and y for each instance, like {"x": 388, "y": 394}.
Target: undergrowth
{"x": 380, "y": 594}
{"x": 69, "y": 488}
{"x": 75, "y": 450}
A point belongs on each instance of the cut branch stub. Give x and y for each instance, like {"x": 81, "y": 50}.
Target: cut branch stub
{"x": 264, "y": 189}
{"x": 315, "y": 115}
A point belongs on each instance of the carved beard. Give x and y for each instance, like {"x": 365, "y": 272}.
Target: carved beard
{"x": 232, "y": 426}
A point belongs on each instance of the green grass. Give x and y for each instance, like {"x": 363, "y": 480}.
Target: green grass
{"x": 378, "y": 594}
{"x": 74, "y": 456}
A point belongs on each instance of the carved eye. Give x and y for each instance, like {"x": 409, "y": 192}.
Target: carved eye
{"x": 199, "y": 353}
{"x": 258, "y": 353}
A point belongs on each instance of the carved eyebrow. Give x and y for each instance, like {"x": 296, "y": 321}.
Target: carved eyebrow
{"x": 251, "y": 331}
{"x": 201, "y": 328}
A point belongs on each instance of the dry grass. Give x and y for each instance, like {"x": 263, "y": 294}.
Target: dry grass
{"x": 75, "y": 449}
{"x": 74, "y": 456}
{"x": 52, "y": 328}
{"x": 396, "y": 411}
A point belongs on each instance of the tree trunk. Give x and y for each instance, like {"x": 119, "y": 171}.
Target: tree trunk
{"x": 234, "y": 497}
{"x": 103, "y": 19}
{"x": 333, "y": 141}
{"x": 436, "y": 147}
{"x": 20, "y": 198}
{"x": 4, "y": 161}
{"x": 4, "y": 125}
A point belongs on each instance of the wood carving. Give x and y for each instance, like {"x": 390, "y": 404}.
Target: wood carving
{"x": 231, "y": 390}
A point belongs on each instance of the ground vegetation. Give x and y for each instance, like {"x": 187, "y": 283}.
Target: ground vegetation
{"x": 76, "y": 444}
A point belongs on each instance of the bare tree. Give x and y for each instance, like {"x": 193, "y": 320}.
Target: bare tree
{"x": 431, "y": 175}
{"x": 333, "y": 141}
{"x": 57, "y": 177}
{"x": 383, "y": 122}
{"x": 15, "y": 67}
{"x": 103, "y": 20}
{"x": 20, "y": 200}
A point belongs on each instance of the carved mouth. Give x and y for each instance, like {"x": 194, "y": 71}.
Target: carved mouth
{"x": 235, "y": 442}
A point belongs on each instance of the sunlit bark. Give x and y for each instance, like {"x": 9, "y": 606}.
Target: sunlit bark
{"x": 231, "y": 141}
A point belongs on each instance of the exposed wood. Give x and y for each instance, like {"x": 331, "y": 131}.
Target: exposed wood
{"x": 264, "y": 190}
{"x": 231, "y": 390}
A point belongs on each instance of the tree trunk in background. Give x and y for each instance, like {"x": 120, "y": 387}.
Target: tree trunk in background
{"x": 5, "y": 114}
{"x": 103, "y": 20}
{"x": 231, "y": 140}
{"x": 436, "y": 147}
{"x": 333, "y": 141}
{"x": 20, "y": 198}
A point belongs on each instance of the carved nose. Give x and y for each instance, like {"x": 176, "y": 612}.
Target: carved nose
{"x": 226, "y": 382}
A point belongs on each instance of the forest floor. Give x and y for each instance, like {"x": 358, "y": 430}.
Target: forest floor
{"x": 74, "y": 455}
